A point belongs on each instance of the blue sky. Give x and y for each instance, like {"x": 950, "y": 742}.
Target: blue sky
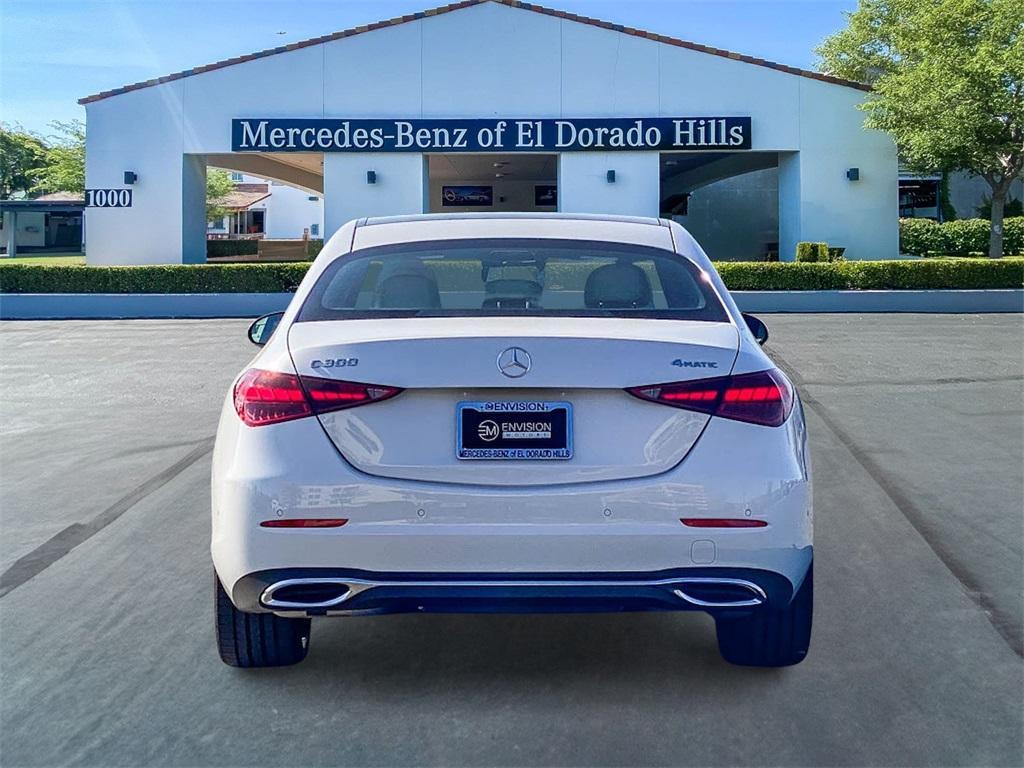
{"x": 52, "y": 52}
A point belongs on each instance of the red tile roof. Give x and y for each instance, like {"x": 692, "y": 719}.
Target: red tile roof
{"x": 251, "y": 186}
{"x": 466, "y": 4}
{"x": 241, "y": 200}
{"x": 62, "y": 197}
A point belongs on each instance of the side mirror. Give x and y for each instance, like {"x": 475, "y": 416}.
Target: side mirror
{"x": 759, "y": 329}
{"x": 262, "y": 329}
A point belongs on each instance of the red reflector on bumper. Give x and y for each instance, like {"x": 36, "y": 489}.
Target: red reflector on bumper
{"x": 713, "y": 522}
{"x": 305, "y": 523}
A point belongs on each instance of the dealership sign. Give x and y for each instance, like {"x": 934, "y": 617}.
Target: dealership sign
{"x": 497, "y": 135}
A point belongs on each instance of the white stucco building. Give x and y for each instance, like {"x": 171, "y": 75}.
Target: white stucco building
{"x": 554, "y": 112}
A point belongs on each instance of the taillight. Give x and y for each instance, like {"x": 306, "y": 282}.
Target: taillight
{"x": 269, "y": 397}
{"x": 763, "y": 398}
{"x": 719, "y": 522}
{"x": 306, "y": 522}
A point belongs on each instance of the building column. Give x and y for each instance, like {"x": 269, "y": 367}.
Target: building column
{"x": 584, "y": 186}
{"x": 166, "y": 223}
{"x": 820, "y": 202}
{"x": 193, "y": 209}
{"x": 398, "y": 186}
{"x": 11, "y": 227}
{"x": 790, "y": 214}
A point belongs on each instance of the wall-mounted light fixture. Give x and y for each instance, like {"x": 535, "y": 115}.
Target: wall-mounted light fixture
{"x": 371, "y": 177}
{"x": 853, "y": 174}
{"x": 610, "y": 177}
{"x": 130, "y": 177}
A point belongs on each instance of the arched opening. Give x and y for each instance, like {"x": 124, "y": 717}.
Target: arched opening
{"x": 728, "y": 201}
{"x": 273, "y": 212}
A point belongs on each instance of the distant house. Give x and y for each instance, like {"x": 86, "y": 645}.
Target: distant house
{"x": 48, "y": 224}
{"x": 258, "y": 208}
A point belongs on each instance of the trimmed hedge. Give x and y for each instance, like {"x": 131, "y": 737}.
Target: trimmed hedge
{"x": 811, "y": 252}
{"x": 270, "y": 277}
{"x": 873, "y": 275}
{"x": 739, "y": 276}
{"x": 963, "y": 237}
{"x": 232, "y": 247}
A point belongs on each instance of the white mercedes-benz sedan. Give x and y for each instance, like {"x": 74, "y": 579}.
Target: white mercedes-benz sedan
{"x": 511, "y": 413}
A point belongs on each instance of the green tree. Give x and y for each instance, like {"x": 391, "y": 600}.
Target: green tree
{"x": 63, "y": 167}
{"x": 218, "y": 185}
{"x": 20, "y": 156}
{"x": 948, "y": 79}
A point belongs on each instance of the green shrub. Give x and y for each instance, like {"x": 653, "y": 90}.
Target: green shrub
{"x": 231, "y": 248}
{"x": 738, "y": 276}
{"x": 782, "y": 276}
{"x": 919, "y": 237}
{"x": 1013, "y": 236}
{"x": 937, "y": 274}
{"x": 811, "y": 252}
{"x": 963, "y": 237}
{"x": 837, "y": 254}
{"x": 174, "y": 278}
{"x": 313, "y": 248}
{"x": 874, "y": 275}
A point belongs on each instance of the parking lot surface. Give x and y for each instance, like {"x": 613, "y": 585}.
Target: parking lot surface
{"x": 106, "y": 638}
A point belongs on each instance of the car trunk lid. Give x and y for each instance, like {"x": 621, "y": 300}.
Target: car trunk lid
{"x": 442, "y": 362}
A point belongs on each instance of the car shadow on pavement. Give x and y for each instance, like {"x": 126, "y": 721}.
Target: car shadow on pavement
{"x": 404, "y": 652}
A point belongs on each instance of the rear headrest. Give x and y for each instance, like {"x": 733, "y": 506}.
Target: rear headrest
{"x": 618, "y": 286}
{"x": 407, "y": 284}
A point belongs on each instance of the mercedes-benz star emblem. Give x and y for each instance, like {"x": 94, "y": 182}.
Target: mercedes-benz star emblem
{"x": 514, "y": 362}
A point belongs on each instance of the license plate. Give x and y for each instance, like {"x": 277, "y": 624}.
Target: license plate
{"x": 514, "y": 429}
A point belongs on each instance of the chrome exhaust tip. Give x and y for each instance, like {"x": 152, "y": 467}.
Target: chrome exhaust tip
{"x": 305, "y": 594}
{"x": 720, "y": 593}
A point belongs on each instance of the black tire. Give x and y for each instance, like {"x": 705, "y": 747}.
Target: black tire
{"x": 257, "y": 639}
{"x": 770, "y": 637}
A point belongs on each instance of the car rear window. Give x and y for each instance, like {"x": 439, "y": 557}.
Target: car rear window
{"x": 477, "y": 278}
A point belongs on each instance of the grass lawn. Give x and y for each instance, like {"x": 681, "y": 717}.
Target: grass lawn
{"x": 53, "y": 259}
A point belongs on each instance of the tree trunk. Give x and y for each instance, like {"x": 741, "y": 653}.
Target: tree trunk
{"x": 995, "y": 237}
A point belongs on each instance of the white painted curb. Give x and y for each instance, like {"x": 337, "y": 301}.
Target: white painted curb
{"x": 953, "y": 302}
{"x": 108, "y": 306}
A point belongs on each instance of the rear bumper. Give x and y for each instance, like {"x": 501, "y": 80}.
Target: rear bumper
{"x": 291, "y": 470}
{"x": 347, "y": 592}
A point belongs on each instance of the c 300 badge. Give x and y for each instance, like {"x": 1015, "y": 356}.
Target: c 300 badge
{"x": 338, "y": 362}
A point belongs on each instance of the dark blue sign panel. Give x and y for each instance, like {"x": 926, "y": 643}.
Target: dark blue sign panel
{"x": 545, "y": 194}
{"x": 498, "y": 135}
{"x": 467, "y": 196}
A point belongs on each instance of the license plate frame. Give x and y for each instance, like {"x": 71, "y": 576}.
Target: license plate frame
{"x": 509, "y": 444}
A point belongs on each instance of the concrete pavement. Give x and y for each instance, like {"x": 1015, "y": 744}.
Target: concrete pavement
{"x": 106, "y": 639}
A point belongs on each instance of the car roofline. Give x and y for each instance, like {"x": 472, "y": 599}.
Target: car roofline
{"x": 516, "y": 216}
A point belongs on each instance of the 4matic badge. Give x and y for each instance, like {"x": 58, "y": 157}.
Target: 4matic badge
{"x": 694, "y": 363}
